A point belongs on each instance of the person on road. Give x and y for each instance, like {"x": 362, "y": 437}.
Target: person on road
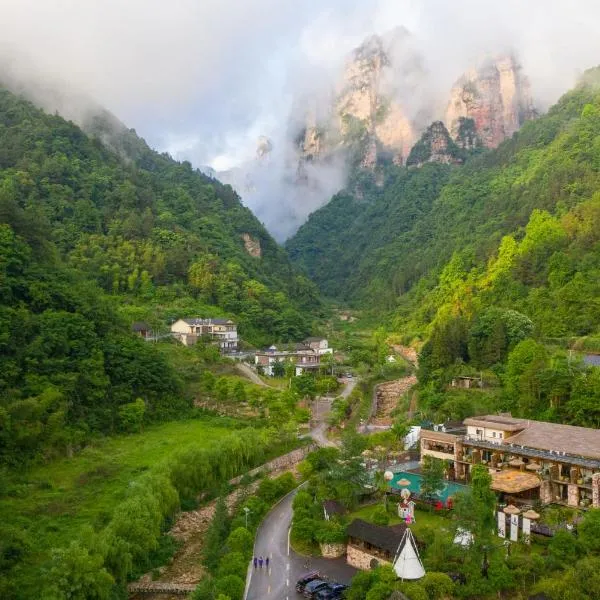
{"x": 260, "y": 562}
{"x": 267, "y": 562}
{"x": 255, "y": 562}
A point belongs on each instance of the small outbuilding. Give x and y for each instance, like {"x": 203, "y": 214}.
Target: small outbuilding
{"x": 332, "y": 508}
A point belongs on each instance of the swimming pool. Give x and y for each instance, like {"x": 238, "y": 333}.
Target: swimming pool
{"x": 450, "y": 488}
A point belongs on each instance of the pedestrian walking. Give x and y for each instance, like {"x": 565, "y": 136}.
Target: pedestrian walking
{"x": 267, "y": 562}
{"x": 255, "y": 562}
{"x": 260, "y": 562}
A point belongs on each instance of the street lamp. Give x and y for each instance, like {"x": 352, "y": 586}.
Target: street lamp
{"x": 247, "y": 511}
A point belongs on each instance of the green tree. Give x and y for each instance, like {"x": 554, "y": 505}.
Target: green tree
{"x": 216, "y": 536}
{"x": 432, "y": 476}
{"x": 240, "y": 540}
{"x": 131, "y": 415}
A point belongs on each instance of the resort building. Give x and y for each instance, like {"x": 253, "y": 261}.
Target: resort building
{"x": 370, "y": 546}
{"x": 222, "y": 332}
{"x": 528, "y": 460}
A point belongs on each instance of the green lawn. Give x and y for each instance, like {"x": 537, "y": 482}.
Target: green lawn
{"x": 54, "y": 501}
{"x": 424, "y": 520}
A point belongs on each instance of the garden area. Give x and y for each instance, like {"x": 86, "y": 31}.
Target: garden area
{"x": 461, "y": 553}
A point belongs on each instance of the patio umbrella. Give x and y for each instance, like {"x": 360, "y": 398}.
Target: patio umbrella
{"x": 403, "y": 482}
{"x": 534, "y": 467}
{"x": 511, "y": 509}
{"x": 531, "y": 515}
{"x": 516, "y": 462}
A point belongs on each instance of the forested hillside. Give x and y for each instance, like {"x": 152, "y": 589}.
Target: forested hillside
{"x": 385, "y": 241}
{"x": 92, "y": 238}
{"x": 489, "y": 268}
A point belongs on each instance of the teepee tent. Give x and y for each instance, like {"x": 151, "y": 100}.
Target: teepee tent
{"x": 407, "y": 563}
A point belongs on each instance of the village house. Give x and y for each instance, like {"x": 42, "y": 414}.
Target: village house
{"x": 370, "y": 546}
{"x": 306, "y": 357}
{"x": 222, "y": 332}
{"x": 318, "y": 345}
{"x": 528, "y": 460}
{"x": 142, "y": 329}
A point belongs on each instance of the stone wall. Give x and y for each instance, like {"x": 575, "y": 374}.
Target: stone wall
{"x": 278, "y": 464}
{"x": 596, "y": 490}
{"x": 332, "y": 550}
{"x": 546, "y": 492}
{"x": 572, "y": 495}
{"x": 360, "y": 559}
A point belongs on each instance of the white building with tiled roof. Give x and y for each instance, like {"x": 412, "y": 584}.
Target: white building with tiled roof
{"x": 222, "y": 331}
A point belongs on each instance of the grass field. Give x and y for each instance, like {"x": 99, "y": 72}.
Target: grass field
{"x": 53, "y": 502}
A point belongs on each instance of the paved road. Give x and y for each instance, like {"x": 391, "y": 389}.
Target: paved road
{"x": 321, "y": 408}
{"x": 278, "y": 583}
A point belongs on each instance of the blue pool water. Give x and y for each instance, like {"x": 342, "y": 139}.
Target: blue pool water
{"x": 450, "y": 488}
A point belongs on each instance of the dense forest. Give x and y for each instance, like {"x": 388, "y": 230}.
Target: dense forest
{"x": 97, "y": 231}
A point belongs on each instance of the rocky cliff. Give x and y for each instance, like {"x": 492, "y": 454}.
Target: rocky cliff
{"x": 435, "y": 145}
{"x": 369, "y": 118}
{"x": 489, "y": 104}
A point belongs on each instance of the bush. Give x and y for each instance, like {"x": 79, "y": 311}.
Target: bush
{"x": 240, "y": 540}
{"x": 381, "y": 517}
{"x": 233, "y": 563}
{"x": 230, "y": 585}
{"x": 437, "y": 585}
{"x": 330, "y": 532}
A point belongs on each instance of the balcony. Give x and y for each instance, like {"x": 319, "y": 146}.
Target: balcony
{"x": 557, "y": 457}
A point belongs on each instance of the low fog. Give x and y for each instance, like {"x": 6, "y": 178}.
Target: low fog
{"x": 204, "y": 80}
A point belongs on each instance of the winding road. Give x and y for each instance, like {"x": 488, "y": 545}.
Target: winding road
{"x": 285, "y": 566}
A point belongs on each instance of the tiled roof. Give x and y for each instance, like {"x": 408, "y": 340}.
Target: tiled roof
{"x": 540, "y": 435}
{"x": 385, "y": 538}
{"x": 503, "y": 422}
{"x": 578, "y": 441}
{"x": 209, "y": 321}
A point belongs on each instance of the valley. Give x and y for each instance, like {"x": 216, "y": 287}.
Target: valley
{"x": 404, "y": 395}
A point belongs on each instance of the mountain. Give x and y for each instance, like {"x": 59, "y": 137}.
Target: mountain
{"x": 372, "y": 113}
{"x": 391, "y": 245}
{"x": 372, "y": 107}
{"x": 493, "y": 99}
{"x": 98, "y": 233}
{"x": 435, "y": 145}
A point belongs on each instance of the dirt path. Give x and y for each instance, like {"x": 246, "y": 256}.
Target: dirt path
{"x": 246, "y": 371}
{"x": 407, "y": 353}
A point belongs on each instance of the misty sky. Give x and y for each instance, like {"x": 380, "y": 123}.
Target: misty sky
{"x": 203, "y": 79}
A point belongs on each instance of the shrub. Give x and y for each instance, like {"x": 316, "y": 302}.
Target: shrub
{"x": 240, "y": 540}
{"x": 230, "y": 585}
{"x": 381, "y": 517}
{"x": 233, "y": 563}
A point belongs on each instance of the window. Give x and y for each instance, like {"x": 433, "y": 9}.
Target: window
{"x": 493, "y": 434}
{"x": 479, "y": 432}
{"x": 500, "y": 435}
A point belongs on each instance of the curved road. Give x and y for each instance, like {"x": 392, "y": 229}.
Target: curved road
{"x": 285, "y": 568}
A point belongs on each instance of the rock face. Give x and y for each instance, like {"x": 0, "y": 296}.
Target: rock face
{"x": 435, "y": 145}
{"x": 252, "y": 245}
{"x": 367, "y": 117}
{"x": 489, "y": 104}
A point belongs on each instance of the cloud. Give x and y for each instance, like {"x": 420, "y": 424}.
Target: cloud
{"x": 204, "y": 78}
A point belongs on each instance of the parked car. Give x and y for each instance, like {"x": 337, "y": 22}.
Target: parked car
{"x": 334, "y": 591}
{"x": 312, "y": 587}
{"x": 306, "y": 578}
